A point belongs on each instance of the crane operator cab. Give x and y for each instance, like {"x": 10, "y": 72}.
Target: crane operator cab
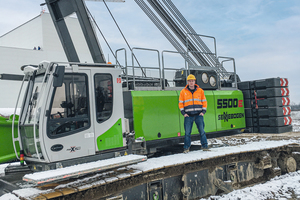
{"x": 70, "y": 111}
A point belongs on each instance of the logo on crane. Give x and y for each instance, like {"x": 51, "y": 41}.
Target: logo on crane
{"x": 225, "y": 116}
{"x": 229, "y": 103}
{"x": 73, "y": 149}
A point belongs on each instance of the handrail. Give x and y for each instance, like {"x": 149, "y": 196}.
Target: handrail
{"x": 209, "y": 61}
{"x": 163, "y": 64}
{"x": 126, "y": 69}
{"x": 220, "y": 70}
{"x": 13, "y": 122}
{"x": 35, "y": 113}
{"x": 234, "y": 68}
{"x": 133, "y": 67}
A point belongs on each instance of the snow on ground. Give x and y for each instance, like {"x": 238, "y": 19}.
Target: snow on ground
{"x": 296, "y": 121}
{"x": 9, "y": 196}
{"x": 3, "y": 166}
{"x": 26, "y": 193}
{"x": 283, "y": 187}
{"x": 232, "y": 141}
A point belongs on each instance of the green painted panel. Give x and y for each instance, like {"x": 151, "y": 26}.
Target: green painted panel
{"x": 112, "y": 138}
{"x": 7, "y": 152}
{"x": 229, "y": 107}
{"x": 156, "y": 114}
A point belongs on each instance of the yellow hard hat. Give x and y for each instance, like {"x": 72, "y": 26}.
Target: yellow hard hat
{"x": 191, "y": 77}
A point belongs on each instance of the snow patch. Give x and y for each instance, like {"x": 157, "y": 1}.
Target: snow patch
{"x": 166, "y": 161}
{"x": 30, "y": 192}
{"x": 83, "y": 168}
{"x": 295, "y": 121}
{"x": 9, "y": 196}
{"x": 282, "y": 187}
{"x": 295, "y": 114}
{"x": 3, "y": 166}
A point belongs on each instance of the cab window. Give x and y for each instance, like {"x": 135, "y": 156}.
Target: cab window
{"x": 104, "y": 96}
{"x": 69, "y": 110}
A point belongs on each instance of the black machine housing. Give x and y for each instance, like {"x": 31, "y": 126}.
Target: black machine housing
{"x": 205, "y": 78}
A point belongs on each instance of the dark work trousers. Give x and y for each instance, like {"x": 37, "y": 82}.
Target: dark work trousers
{"x": 188, "y": 124}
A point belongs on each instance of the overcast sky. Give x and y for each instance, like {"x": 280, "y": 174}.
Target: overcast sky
{"x": 262, "y": 35}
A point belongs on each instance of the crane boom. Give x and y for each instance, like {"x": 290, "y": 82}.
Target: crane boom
{"x": 59, "y": 9}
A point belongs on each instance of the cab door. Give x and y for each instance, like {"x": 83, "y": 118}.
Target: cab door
{"x": 109, "y": 111}
{"x": 69, "y": 129}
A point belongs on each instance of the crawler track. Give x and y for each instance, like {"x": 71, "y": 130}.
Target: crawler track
{"x": 193, "y": 179}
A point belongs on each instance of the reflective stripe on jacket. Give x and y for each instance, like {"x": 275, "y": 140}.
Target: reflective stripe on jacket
{"x": 192, "y": 103}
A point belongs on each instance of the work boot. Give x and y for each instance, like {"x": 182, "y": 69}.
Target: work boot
{"x": 206, "y": 149}
{"x": 186, "y": 150}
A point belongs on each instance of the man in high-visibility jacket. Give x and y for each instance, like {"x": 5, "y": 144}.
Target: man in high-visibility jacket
{"x": 193, "y": 104}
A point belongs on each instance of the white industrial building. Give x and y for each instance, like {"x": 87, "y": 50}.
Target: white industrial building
{"x": 20, "y": 47}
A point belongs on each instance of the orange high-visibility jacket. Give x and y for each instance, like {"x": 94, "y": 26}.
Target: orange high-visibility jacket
{"x": 192, "y": 104}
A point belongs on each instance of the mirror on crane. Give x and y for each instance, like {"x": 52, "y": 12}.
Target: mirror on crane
{"x": 58, "y": 76}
